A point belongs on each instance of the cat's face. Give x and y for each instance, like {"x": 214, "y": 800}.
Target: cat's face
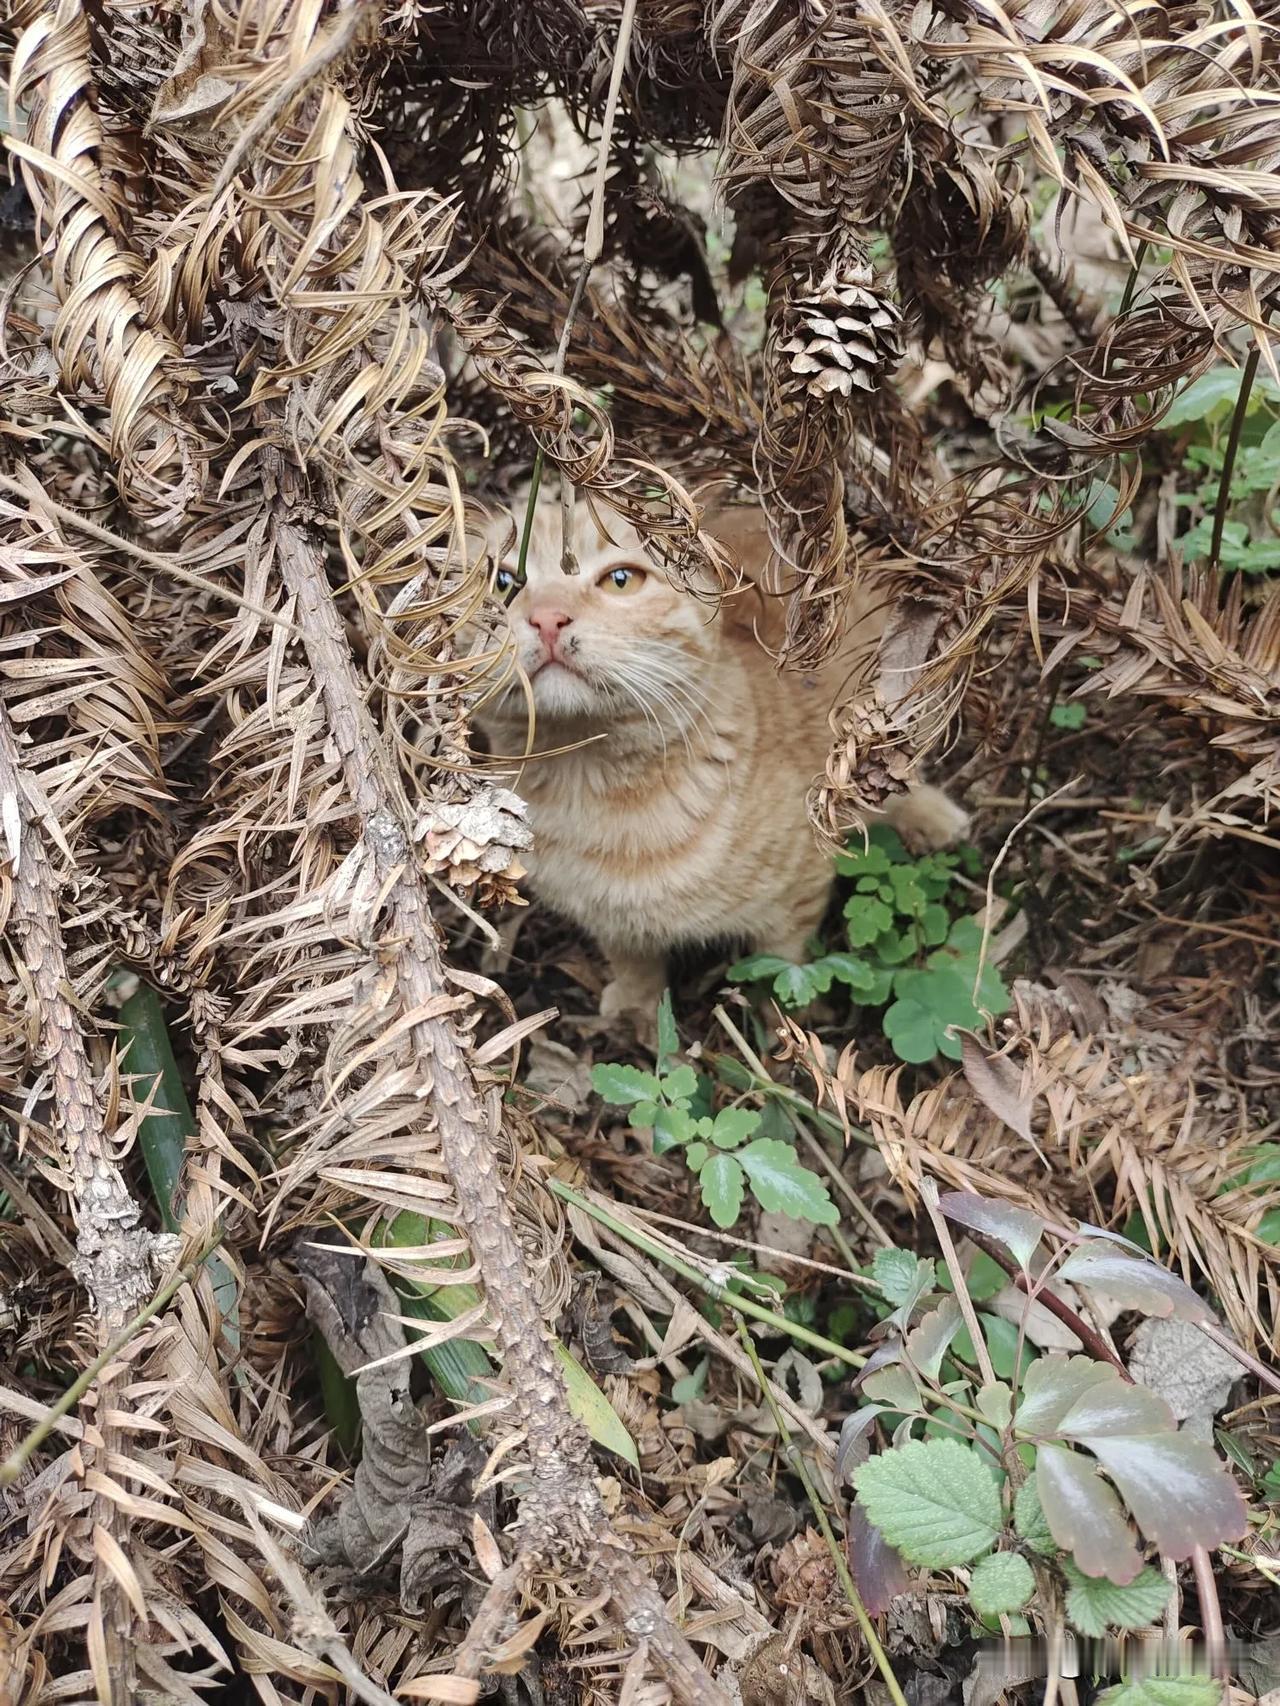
{"x": 615, "y": 644}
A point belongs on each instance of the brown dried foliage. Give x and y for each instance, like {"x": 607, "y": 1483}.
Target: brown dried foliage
{"x": 244, "y": 614}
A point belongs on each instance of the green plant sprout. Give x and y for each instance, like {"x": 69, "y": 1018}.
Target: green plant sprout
{"x": 909, "y": 952}
{"x": 722, "y": 1149}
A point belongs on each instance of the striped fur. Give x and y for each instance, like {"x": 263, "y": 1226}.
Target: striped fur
{"x": 678, "y": 814}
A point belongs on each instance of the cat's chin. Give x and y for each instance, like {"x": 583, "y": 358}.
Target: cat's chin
{"x": 562, "y": 693}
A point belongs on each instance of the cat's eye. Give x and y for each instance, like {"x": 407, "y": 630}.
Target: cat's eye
{"x": 623, "y": 580}
{"x": 504, "y": 581}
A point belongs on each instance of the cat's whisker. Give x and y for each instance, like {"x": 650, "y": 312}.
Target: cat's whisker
{"x": 643, "y": 674}
{"x": 646, "y": 710}
{"x": 668, "y": 696}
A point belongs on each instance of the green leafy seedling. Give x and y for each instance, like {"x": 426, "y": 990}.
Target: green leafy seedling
{"x": 727, "y": 1151}
{"x": 908, "y": 952}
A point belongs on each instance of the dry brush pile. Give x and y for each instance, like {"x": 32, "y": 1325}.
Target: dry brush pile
{"x": 269, "y": 300}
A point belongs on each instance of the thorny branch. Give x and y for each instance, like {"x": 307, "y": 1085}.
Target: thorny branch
{"x": 562, "y": 1509}
{"x": 114, "y": 1251}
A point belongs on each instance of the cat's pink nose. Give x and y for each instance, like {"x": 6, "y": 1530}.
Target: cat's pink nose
{"x": 548, "y": 624}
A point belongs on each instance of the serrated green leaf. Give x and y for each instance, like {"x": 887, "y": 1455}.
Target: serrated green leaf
{"x": 897, "y": 946}
{"x": 1214, "y": 395}
{"x": 668, "y": 1036}
{"x": 1163, "y": 1691}
{"x": 910, "y": 1027}
{"x": 643, "y": 1115}
{"x": 965, "y": 936}
{"x": 853, "y": 970}
{"x": 623, "y": 1086}
{"x": 720, "y": 1183}
{"x": 781, "y": 1184}
{"x": 696, "y": 1156}
{"x": 935, "y": 1500}
{"x": 934, "y": 923}
{"x": 1069, "y": 716}
{"x": 733, "y": 1126}
{"x": 901, "y": 1276}
{"x": 1000, "y": 1583}
{"x": 867, "y": 918}
{"x": 1095, "y": 1605}
{"x": 908, "y": 896}
{"x": 870, "y": 862}
{"x": 1029, "y": 1519}
{"x": 680, "y": 1084}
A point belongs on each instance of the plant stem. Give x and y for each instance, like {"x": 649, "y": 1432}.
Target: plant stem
{"x": 795, "y": 1460}
{"x": 929, "y": 1197}
{"x": 1223, "y": 503}
{"x": 771, "y": 1086}
{"x": 1092, "y": 1340}
{"x": 717, "y": 1293}
{"x": 20, "y": 1456}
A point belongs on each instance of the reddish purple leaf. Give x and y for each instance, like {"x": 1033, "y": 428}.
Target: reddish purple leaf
{"x": 1084, "y": 1515}
{"x": 1179, "y": 1491}
{"x": 1017, "y": 1228}
{"x": 878, "y": 1572}
{"x": 1052, "y": 1385}
{"x": 1135, "y": 1283}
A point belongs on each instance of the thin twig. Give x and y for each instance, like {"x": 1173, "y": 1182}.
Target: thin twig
{"x": 1225, "y": 1342}
{"x": 1210, "y": 1612}
{"x": 795, "y": 1460}
{"x": 21, "y": 1454}
{"x": 1092, "y": 1340}
{"x": 717, "y": 1293}
{"x": 1223, "y": 502}
{"x": 592, "y": 249}
{"x": 929, "y": 1197}
{"x": 724, "y": 1347}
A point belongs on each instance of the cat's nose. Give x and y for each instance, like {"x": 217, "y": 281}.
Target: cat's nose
{"x": 548, "y": 624}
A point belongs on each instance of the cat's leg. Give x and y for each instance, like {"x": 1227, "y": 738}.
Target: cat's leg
{"x": 927, "y": 819}
{"x": 635, "y": 990}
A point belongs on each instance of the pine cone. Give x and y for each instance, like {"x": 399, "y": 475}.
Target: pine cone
{"x": 472, "y": 844}
{"x": 867, "y": 767}
{"x": 845, "y": 335}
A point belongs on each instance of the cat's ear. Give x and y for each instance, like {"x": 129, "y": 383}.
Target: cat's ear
{"x": 755, "y": 607}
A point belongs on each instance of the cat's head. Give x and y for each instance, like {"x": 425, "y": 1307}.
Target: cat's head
{"x": 616, "y": 645}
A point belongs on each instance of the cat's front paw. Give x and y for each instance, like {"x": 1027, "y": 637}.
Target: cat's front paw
{"x": 928, "y": 819}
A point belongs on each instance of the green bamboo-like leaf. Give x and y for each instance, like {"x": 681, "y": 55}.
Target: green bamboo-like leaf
{"x": 167, "y": 1128}
{"x": 460, "y": 1365}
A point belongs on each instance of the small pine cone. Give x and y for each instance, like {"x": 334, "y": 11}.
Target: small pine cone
{"x": 868, "y": 766}
{"x": 844, "y": 334}
{"x": 472, "y": 844}
{"x": 804, "y": 1577}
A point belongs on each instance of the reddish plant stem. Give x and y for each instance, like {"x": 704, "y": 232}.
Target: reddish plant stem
{"x": 1088, "y": 1336}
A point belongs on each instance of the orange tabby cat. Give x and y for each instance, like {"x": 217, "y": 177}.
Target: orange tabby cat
{"x": 678, "y": 815}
